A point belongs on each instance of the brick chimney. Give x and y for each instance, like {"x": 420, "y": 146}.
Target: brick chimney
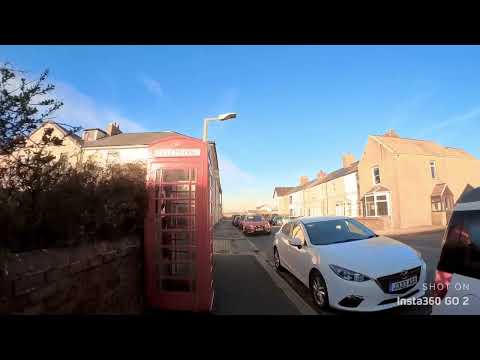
{"x": 321, "y": 174}
{"x": 391, "y": 133}
{"x": 113, "y": 128}
{"x": 303, "y": 180}
{"x": 348, "y": 159}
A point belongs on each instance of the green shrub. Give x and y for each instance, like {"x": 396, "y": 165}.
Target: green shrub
{"x": 65, "y": 206}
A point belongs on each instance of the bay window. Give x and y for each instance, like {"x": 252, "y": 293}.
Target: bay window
{"x": 377, "y": 204}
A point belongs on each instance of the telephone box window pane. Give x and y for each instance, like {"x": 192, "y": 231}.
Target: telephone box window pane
{"x": 176, "y": 285}
{"x": 177, "y": 269}
{"x": 178, "y": 222}
{"x": 177, "y": 191}
{"x": 179, "y": 206}
{"x": 172, "y": 175}
{"x": 179, "y": 238}
{"x": 193, "y": 174}
{"x": 173, "y": 254}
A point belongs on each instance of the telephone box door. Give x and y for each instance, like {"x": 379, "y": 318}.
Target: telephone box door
{"x": 177, "y": 239}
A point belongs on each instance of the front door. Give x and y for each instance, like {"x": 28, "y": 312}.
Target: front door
{"x": 174, "y": 264}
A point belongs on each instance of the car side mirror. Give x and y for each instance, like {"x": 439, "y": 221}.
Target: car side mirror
{"x": 296, "y": 242}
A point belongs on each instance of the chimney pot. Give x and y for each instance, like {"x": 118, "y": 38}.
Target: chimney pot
{"x": 113, "y": 128}
{"x": 348, "y": 159}
{"x": 391, "y": 133}
{"x": 321, "y": 174}
{"x": 303, "y": 180}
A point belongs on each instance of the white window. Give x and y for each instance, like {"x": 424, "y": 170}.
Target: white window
{"x": 433, "y": 169}
{"x": 113, "y": 157}
{"x": 376, "y": 175}
{"x": 377, "y": 204}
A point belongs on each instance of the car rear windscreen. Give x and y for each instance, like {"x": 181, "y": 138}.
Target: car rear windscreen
{"x": 461, "y": 251}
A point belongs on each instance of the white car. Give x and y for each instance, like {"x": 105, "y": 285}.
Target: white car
{"x": 457, "y": 280}
{"x": 347, "y": 266}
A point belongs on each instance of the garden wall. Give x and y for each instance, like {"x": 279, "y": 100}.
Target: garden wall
{"x": 105, "y": 278}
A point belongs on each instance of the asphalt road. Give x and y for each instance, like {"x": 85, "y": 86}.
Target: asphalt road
{"x": 428, "y": 244}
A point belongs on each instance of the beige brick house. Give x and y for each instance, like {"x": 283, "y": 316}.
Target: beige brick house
{"x": 281, "y": 200}
{"x": 335, "y": 193}
{"x": 407, "y": 182}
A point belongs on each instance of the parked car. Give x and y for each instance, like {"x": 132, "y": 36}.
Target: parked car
{"x": 346, "y": 265}
{"x": 270, "y": 218}
{"x": 240, "y": 222}
{"x": 279, "y": 220}
{"x": 457, "y": 280}
{"x": 236, "y": 219}
{"x": 255, "y": 224}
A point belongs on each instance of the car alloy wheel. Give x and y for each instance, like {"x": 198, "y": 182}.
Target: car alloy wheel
{"x": 319, "y": 291}
{"x": 276, "y": 260}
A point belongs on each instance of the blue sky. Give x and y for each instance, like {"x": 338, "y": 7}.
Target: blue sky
{"x": 300, "y": 107}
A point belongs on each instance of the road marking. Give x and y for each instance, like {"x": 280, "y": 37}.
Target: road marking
{"x": 303, "y": 307}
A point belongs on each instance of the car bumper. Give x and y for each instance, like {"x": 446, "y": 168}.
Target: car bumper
{"x": 368, "y": 296}
{"x": 252, "y": 231}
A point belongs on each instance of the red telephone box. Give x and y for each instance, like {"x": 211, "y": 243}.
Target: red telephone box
{"x": 179, "y": 228}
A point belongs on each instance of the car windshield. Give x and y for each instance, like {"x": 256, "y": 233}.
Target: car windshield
{"x": 254, "y": 218}
{"x": 337, "y": 231}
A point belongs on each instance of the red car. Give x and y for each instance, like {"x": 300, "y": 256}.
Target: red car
{"x": 254, "y": 224}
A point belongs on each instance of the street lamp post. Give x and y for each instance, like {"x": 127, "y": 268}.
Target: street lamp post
{"x": 221, "y": 117}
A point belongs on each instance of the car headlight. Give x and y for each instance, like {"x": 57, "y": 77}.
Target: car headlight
{"x": 348, "y": 274}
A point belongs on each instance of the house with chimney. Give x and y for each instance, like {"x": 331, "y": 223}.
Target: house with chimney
{"x": 330, "y": 194}
{"x": 334, "y": 194}
{"x": 406, "y": 182}
{"x": 112, "y": 146}
{"x": 398, "y": 183}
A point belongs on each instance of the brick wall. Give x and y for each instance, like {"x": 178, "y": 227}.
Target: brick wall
{"x": 375, "y": 223}
{"x": 105, "y": 278}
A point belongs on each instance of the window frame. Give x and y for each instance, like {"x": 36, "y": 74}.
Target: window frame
{"x": 433, "y": 166}
{"x": 374, "y": 177}
{"x": 376, "y": 201}
{"x": 115, "y": 159}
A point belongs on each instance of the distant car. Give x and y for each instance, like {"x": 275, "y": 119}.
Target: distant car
{"x": 240, "y": 222}
{"x": 456, "y": 289}
{"x": 346, "y": 265}
{"x": 255, "y": 224}
{"x": 235, "y": 219}
{"x": 279, "y": 220}
{"x": 270, "y": 217}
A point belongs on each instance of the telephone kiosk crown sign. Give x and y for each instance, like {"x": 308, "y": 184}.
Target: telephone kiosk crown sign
{"x": 176, "y": 152}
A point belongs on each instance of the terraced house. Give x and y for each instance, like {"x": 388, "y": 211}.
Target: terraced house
{"x": 397, "y": 183}
{"x": 409, "y": 182}
{"x": 335, "y": 193}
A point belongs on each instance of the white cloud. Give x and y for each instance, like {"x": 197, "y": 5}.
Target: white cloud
{"x": 82, "y": 110}
{"x": 455, "y": 120}
{"x": 242, "y": 190}
{"x": 153, "y": 86}
{"x": 231, "y": 174}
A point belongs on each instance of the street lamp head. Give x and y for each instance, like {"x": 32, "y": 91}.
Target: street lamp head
{"x": 227, "y": 116}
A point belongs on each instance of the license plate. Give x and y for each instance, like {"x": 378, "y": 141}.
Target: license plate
{"x": 399, "y": 285}
{"x": 259, "y": 229}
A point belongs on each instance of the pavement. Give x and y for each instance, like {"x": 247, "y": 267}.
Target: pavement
{"x": 244, "y": 283}
{"x": 412, "y": 230}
